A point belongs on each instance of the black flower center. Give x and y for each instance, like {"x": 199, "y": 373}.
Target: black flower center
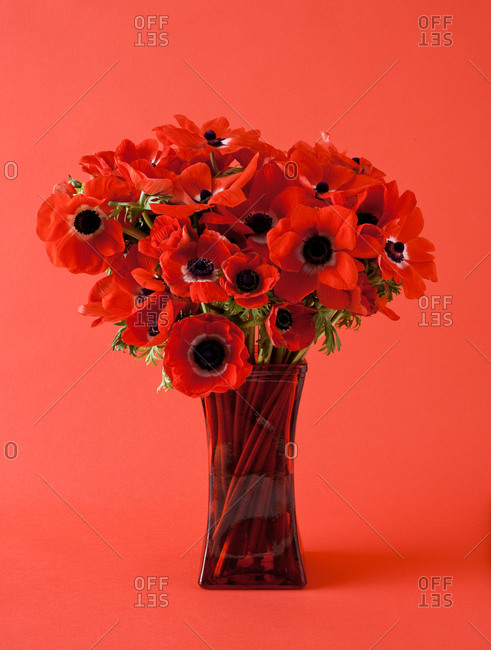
{"x": 204, "y": 195}
{"x": 366, "y": 217}
{"x": 322, "y": 187}
{"x": 141, "y": 296}
{"x": 87, "y": 222}
{"x": 211, "y": 136}
{"x": 209, "y": 354}
{"x": 317, "y": 250}
{"x": 201, "y": 267}
{"x": 259, "y": 222}
{"x": 247, "y": 280}
{"x": 356, "y": 160}
{"x": 153, "y": 331}
{"x": 284, "y": 319}
{"x": 395, "y": 251}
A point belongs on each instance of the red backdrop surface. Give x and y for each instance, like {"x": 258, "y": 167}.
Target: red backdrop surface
{"x": 104, "y": 481}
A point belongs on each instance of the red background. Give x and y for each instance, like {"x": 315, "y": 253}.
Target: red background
{"x": 406, "y": 447}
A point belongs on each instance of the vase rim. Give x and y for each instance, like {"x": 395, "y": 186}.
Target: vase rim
{"x": 277, "y": 371}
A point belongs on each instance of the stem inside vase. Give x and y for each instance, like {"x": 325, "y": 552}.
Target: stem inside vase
{"x": 252, "y": 539}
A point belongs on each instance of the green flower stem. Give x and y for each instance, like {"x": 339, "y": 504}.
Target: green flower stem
{"x": 251, "y": 340}
{"x": 134, "y": 232}
{"x": 265, "y": 346}
{"x": 147, "y": 219}
{"x": 277, "y": 355}
{"x": 214, "y": 165}
{"x": 299, "y": 356}
{"x": 336, "y": 316}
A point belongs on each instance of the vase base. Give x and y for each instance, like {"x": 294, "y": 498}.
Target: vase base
{"x": 247, "y": 576}
{"x": 258, "y": 581}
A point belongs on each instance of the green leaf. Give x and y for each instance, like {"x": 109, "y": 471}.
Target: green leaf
{"x": 229, "y": 172}
{"x": 119, "y": 344}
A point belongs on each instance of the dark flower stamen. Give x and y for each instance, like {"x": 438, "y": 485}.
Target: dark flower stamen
{"x": 141, "y": 296}
{"x": 259, "y": 222}
{"x": 153, "y": 331}
{"x": 247, "y": 280}
{"x": 321, "y": 188}
{"x": 366, "y": 217}
{"x": 87, "y": 222}
{"x": 204, "y": 195}
{"x": 201, "y": 267}
{"x": 284, "y": 320}
{"x": 209, "y": 354}
{"x": 211, "y": 136}
{"x": 317, "y": 250}
{"x": 395, "y": 251}
{"x": 356, "y": 160}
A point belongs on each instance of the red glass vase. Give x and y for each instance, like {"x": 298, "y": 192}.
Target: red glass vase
{"x": 252, "y": 540}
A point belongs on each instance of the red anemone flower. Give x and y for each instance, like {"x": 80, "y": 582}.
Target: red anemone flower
{"x": 192, "y": 269}
{"x": 146, "y": 178}
{"x": 105, "y": 163}
{"x": 166, "y": 233}
{"x": 363, "y": 300}
{"x": 96, "y": 306}
{"x": 214, "y": 134}
{"x": 151, "y": 324}
{"x": 248, "y": 278}
{"x": 117, "y": 296}
{"x": 406, "y": 256}
{"x": 198, "y": 190}
{"x": 260, "y": 212}
{"x": 206, "y": 353}
{"x": 291, "y": 325}
{"x": 78, "y": 233}
{"x": 312, "y": 247}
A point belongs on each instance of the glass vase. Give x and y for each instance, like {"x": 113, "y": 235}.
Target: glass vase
{"x": 252, "y": 540}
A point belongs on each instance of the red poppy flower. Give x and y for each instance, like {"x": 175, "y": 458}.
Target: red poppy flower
{"x": 166, "y": 233}
{"x": 406, "y": 256}
{"x": 105, "y": 163}
{"x": 110, "y": 188}
{"x": 198, "y": 190}
{"x": 317, "y": 173}
{"x": 65, "y": 187}
{"x": 363, "y": 300}
{"x": 78, "y": 234}
{"x": 96, "y": 307}
{"x": 260, "y": 212}
{"x": 117, "y": 296}
{"x": 151, "y": 324}
{"x": 192, "y": 269}
{"x": 147, "y": 178}
{"x": 214, "y": 134}
{"x": 248, "y": 278}
{"x": 291, "y": 325}
{"x": 224, "y": 221}
{"x": 312, "y": 247}
{"x": 206, "y": 353}
{"x": 358, "y": 164}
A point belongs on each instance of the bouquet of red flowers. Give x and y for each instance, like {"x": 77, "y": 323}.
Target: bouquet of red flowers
{"x": 220, "y": 251}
